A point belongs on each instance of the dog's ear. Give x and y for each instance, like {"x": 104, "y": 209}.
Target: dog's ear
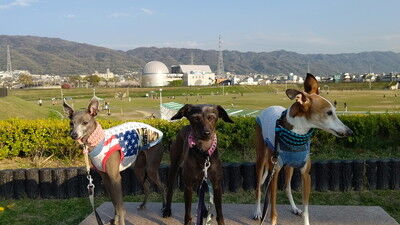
{"x": 311, "y": 85}
{"x": 68, "y": 110}
{"x": 93, "y": 107}
{"x": 183, "y": 112}
{"x": 223, "y": 114}
{"x": 302, "y": 103}
{"x": 300, "y": 96}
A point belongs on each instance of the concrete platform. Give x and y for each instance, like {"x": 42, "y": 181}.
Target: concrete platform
{"x": 240, "y": 214}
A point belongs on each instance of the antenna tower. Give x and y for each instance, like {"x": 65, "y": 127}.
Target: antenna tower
{"x": 9, "y": 67}
{"x": 220, "y": 67}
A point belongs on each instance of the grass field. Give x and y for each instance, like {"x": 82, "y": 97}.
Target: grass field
{"x": 72, "y": 211}
{"x": 239, "y": 97}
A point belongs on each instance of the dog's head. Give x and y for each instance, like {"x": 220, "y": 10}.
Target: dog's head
{"x": 82, "y": 123}
{"x": 203, "y": 118}
{"x": 317, "y": 110}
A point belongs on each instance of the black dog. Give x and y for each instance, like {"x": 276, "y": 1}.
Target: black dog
{"x": 190, "y": 150}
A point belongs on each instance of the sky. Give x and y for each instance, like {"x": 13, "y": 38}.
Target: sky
{"x": 304, "y": 26}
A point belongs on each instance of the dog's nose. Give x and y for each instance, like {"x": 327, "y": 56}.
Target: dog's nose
{"x": 74, "y": 135}
{"x": 349, "y": 132}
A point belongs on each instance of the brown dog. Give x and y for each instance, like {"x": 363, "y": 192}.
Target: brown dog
{"x": 310, "y": 110}
{"x": 110, "y": 153}
{"x": 203, "y": 120}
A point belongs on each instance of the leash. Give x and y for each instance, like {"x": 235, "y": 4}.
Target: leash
{"x": 91, "y": 186}
{"x": 202, "y": 210}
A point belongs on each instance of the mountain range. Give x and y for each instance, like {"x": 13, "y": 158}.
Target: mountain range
{"x": 42, "y": 55}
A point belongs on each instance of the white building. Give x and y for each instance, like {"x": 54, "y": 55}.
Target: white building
{"x": 106, "y": 76}
{"x": 195, "y": 75}
{"x": 155, "y": 74}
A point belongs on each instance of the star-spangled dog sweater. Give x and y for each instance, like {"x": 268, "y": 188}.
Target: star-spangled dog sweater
{"x": 128, "y": 138}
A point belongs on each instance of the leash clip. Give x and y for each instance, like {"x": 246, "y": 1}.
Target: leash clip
{"x": 90, "y": 186}
{"x": 207, "y": 165}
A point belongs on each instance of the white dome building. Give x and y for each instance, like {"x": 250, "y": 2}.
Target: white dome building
{"x": 155, "y": 74}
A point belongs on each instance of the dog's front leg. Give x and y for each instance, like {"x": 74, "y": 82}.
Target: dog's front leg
{"x": 114, "y": 176}
{"x": 273, "y": 191}
{"x": 217, "y": 186}
{"x": 306, "y": 180}
{"x": 188, "y": 203}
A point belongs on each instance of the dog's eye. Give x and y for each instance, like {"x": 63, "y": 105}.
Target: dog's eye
{"x": 85, "y": 123}
{"x": 329, "y": 113}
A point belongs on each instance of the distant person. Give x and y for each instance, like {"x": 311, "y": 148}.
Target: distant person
{"x": 40, "y": 102}
{"x": 107, "y": 108}
{"x": 345, "y": 107}
{"x": 335, "y": 103}
{"x": 53, "y": 101}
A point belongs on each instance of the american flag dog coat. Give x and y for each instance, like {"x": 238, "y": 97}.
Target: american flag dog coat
{"x": 293, "y": 149}
{"x": 128, "y": 138}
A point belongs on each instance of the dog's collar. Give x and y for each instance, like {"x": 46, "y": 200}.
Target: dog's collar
{"x": 97, "y": 136}
{"x": 210, "y": 151}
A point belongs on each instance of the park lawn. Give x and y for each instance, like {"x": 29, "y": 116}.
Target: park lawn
{"x": 11, "y": 107}
{"x": 72, "y": 211}
{"x": 142, "y": 107}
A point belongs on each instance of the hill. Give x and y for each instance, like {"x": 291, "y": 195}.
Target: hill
{"x": 14, "y": 107}
{"x": 56, "y": 56}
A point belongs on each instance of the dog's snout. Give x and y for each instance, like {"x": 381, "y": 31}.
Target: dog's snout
{"x": 74, "y": 135}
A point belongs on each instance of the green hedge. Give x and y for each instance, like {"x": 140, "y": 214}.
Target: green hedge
{"x": 27, "y": 138}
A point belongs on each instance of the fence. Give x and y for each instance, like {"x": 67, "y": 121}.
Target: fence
{"x": 333, "y": 175}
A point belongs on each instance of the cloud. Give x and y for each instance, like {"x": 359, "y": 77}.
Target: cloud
{"x": 70, "y": 16}
{"x": 119, "y": 15}
{"x": 147, "y": 11}
{"x": 17, "y": 3}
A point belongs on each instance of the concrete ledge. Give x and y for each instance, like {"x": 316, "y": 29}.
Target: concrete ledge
{"x": 236, "y": 214}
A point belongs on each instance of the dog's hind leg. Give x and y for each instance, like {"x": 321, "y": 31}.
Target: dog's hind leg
{"x": 140, "y": 173}
{"x": 261, "y": 171}
{"x": 153, "y": 176}
{"x": 175, "y": 156}
{"x": 288, "y": 190}
{"x": 306, "y": 180}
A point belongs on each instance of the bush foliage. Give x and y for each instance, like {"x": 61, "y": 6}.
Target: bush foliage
{"x": 27, "y": 138}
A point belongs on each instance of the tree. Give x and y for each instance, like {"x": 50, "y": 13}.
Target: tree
{"x": 76, "y": 79}
{"x": 93, "y": 80}
{"x": 25, "y": 79}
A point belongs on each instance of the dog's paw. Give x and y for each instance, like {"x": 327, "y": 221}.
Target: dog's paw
{"x": 166, "y": 212}
{"x": 297, "y": 211}
{"x": 141, "y": 207}
{"x": 257, "y": 215}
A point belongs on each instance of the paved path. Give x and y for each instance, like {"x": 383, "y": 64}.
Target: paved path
{"x": 240, "y": 214}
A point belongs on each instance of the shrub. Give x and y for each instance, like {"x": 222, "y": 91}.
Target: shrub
{"x": 26, "y": 138}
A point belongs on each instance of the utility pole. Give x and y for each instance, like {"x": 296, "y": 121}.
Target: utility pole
{"x": 220, "y": 67}
{"x": 191, "y": 58}
{"x": 9, "y": 66}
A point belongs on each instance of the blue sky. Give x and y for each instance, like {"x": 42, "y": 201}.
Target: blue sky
{"x": 304, "y": 26}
